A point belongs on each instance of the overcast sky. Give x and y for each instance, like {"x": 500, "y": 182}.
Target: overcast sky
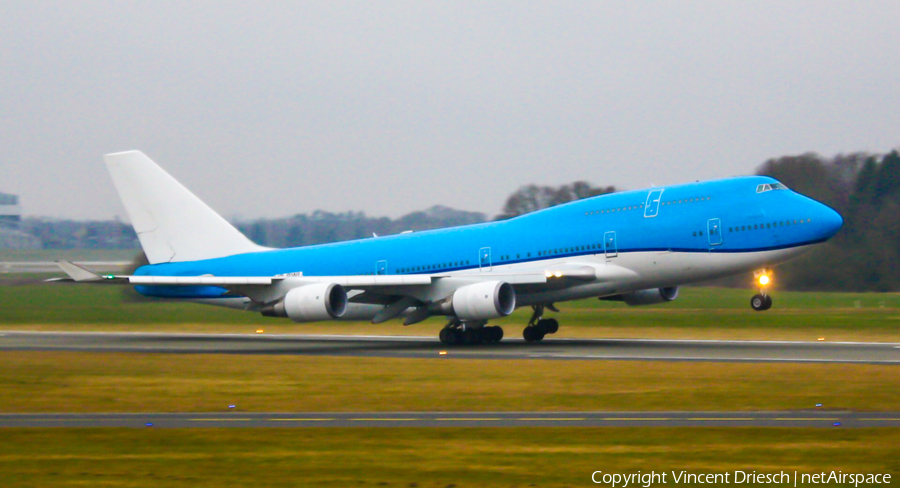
{"x": 276, "y": 108}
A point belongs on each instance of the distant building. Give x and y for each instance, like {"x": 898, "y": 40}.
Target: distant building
{"x": 9, "y": 209}
{"x": 10, "y": 216}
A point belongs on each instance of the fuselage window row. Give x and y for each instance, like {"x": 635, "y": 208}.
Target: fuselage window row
{"x": 768, "y": 225}
{"x": 641, "y": 206}
{"x": 599, "y": 247}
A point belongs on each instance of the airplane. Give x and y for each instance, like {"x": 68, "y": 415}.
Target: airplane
{"x": 637, "y": 247}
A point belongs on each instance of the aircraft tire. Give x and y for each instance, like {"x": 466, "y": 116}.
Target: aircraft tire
{"x": 532, "y": 334}
{"x": 492, "y": 334}
{"x": 498, "y": 333}
{"x": 548, "y": 326}
{"x": 446, "y": 336}
{"x": 472, "y": 336}
{"x": 758, "y": 303}
{"x": 768, "y": 302}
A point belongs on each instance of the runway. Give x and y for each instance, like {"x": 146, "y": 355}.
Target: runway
{"x": 428, "y": 347}
{"x": 460, "y": 419}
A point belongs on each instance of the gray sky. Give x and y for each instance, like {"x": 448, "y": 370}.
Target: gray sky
{"x": 275, "y": 108}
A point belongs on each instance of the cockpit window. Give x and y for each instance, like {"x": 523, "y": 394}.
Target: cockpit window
{"x": 769, "y": 187}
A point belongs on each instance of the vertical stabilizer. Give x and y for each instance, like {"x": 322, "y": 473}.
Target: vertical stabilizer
{"x": 172, "y": 224}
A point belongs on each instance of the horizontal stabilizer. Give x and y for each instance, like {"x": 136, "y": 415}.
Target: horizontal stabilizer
{"x": 77, "y": 273}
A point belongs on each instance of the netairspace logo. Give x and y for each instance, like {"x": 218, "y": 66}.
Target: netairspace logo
{"x": 737, "y": 477}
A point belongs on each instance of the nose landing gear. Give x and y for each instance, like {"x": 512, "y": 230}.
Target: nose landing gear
{"x": 762, "y": 301}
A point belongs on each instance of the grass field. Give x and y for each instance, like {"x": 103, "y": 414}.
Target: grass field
{"x": 405, "y": 457}
{"x": 126, "y": 382}
{"x": 514, "y": 457}
{"x": 701, "y": 313}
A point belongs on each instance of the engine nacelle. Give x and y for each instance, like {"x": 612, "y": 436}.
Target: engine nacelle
{"x": 651, "y": 296}
{"x": 311, "y": 303}
{"x": 482, "y": 301}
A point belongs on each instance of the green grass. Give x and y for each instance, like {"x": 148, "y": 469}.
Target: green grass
{"x": 128, "y": 382}
{"x": 702, "y": 313}
{"x": 407, "y": 457}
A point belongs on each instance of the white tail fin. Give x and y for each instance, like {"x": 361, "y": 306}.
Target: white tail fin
{"x": 171, "y": 222}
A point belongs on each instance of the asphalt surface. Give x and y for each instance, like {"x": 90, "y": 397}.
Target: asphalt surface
{"x": 815, "y": 418}
{"x": 428, "y": 347}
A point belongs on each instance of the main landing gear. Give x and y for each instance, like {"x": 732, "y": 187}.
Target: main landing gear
{"x": 538, "y": 327}
{"x": 762, "y": 301}
{"x": 459, "y": 332}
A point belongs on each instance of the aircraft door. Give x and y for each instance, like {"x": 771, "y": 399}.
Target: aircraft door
{"x": 381, "y": 267}
{"x": 651, "y": 208}
{"x": 610, "y": 245}
{"x": 714, "y": 231}
{"x": 484, "y": 258}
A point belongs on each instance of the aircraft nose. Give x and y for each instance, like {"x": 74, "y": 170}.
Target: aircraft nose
{"x": 830, "y": 220}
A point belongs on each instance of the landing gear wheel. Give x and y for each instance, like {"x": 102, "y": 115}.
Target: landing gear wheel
{"x": 760, "y": 303}
{"x": 548, "y": 326}
{"x": 450, "y": 337}
{"x": 532, "y": 334}
{"x": 446, "y": 336}
{"x": 472, "y": 336}
{"x": 492, "y": 334}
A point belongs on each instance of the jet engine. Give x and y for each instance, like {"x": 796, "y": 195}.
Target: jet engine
{"x": 647, "y": 297}
{"x": 311, "y": 303}
{"x": 481, "y": 301}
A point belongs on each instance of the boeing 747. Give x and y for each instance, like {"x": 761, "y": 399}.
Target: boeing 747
{"x": 634, "y": 246}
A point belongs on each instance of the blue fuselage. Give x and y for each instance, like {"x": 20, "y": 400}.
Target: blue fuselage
{"x": 723, "y": 216}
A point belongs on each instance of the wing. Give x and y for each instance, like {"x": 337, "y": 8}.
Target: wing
{"x": 395, "y": 292}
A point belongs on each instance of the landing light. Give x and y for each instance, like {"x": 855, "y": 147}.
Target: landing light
{"x": 558, "y": 274}
{"x": 764, "y": 280}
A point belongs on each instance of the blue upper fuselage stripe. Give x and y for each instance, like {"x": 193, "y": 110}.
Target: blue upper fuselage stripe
{"x": 679, "y": 222}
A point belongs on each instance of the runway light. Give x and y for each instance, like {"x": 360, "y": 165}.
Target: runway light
{"x": 443, "y": 353}
{"x": 764, "y": 280}
{"x": 149, "y": 424}
{"x": 231, "y": 407}
{"x": 821, "y": 338}
{"x": 818, "y": 405}
{"x": 259, "y": 331}
{"x": 837, "y": 424}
